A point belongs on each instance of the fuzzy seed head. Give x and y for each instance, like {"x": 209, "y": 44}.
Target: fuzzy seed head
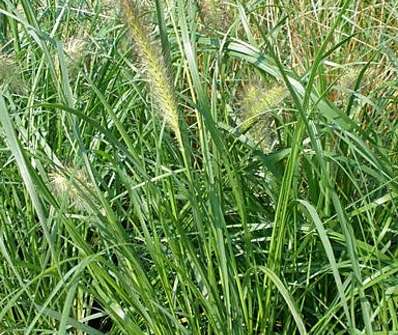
{"x": 75, "y": 48}
{"x": 108, "y": 7}
{"x": 69, "y": 183}
{"x": 215, "y": 14}
{"x": 257, "y": 100}
{"x": 156, "y": 72}
{"x": 256, "y": 116}
{"x": 348, "y": 79}
{"x": 10, "y": 74}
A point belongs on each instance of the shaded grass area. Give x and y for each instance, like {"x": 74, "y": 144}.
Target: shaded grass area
{"x": 198, "y": 167}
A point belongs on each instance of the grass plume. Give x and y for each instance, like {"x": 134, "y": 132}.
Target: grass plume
{"x": 257, "y": 103}
{"x": 156, "y": 71}
{"x": 68, "y": 184}
{"x": 215, "y": 14}
{"x": 10, "y": 74}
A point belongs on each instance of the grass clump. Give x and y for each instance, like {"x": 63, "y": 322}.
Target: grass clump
{"x": 274, "y": 210}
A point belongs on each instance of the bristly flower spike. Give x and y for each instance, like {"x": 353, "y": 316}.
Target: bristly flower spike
{"x": 156, "y": 70}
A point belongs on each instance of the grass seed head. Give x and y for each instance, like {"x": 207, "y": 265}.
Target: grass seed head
{"x": 348, "y": 79}
{"x": 10, "y": 74}
{"x": 75, "y": 49}
{"x": 69, "y": 184}
{"x": 156, "y": 70}
{"x": 215, "y": 14}
{"x": 256, "y": 116}
{"x": 257, "y": 100}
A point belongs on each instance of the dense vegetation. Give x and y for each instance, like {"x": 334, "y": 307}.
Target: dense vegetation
{"x": 198, "y": 167}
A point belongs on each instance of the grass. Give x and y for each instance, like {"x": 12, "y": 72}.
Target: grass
{"x": 198, "y": 167}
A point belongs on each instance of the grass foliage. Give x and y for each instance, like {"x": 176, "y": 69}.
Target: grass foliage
{"x": 198, "y": 167}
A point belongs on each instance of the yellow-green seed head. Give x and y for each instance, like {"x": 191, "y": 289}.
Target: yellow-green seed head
{"x": 10, "y": 74}
{"x": 258, "y": 100}
{"x": 256, "y": 115}
{"x": 349, "y": 77}
{"x": 75, "y": 49}
{"x": 215, "y": 14}
{"x": 154, "y": 66}
{"x": 69, "y": 184}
